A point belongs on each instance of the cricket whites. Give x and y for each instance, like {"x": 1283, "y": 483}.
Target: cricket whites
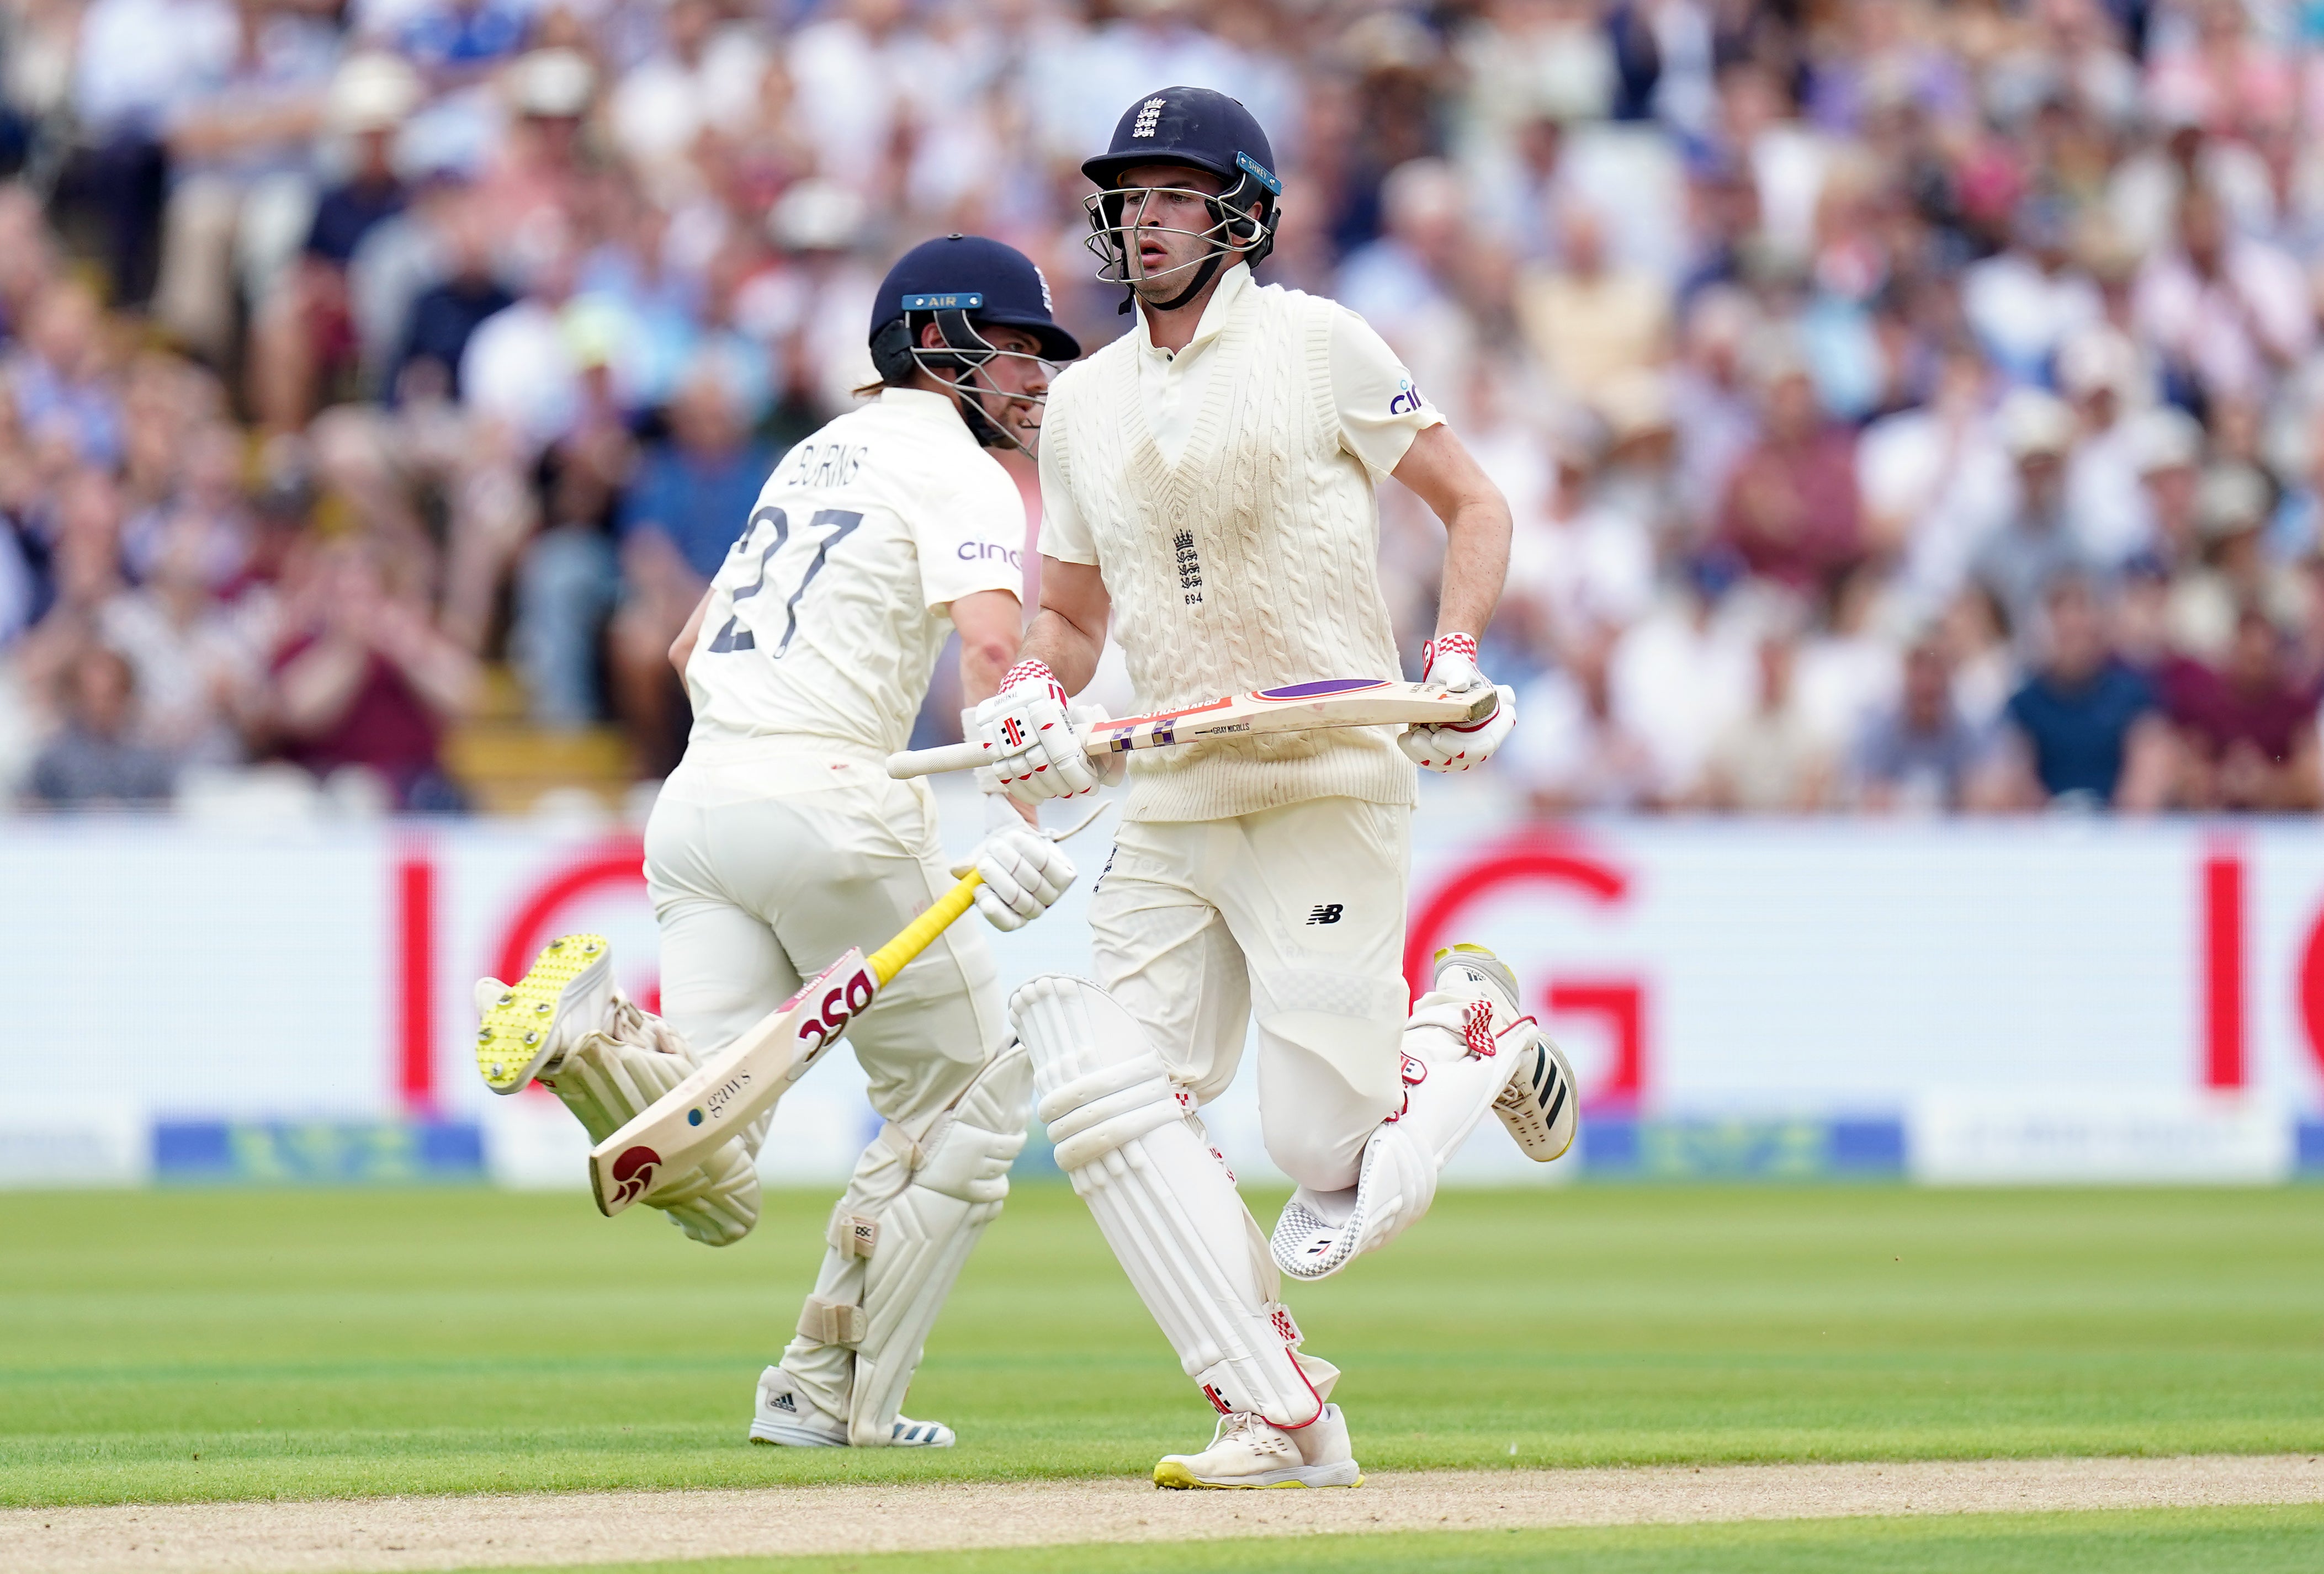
{"x": 733, "y": 1089}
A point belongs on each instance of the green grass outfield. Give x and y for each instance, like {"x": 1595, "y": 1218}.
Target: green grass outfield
{"x": 188, "y": 1345}
{"x": 2246, "y": 1540}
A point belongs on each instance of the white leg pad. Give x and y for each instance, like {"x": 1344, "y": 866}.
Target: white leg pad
{"x": 614, "y": 1073}
{"x": 1165, "y": 1201}
{"x": 1452, "y": 1070}
{"x": 920, "y": 1241}
{"x": 897, "y": 1241}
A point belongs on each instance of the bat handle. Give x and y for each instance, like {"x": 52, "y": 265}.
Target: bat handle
{"x": 888, "y": 960}
{"x": 914, "y": 762}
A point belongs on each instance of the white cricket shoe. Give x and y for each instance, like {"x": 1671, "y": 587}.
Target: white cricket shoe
{"x": 527, "y": 1024}
{"x": 1538, "y": 1105}
{"x": 790, "y": 1418}
{"x": 1248, "y": 1451}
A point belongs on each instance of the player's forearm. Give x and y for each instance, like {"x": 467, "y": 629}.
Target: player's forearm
{"x": 1444, "y": 474}
{"x": 1476, "y": 564}
{"x": 1069, "y": 630}
{"x": 1070, "y": 651}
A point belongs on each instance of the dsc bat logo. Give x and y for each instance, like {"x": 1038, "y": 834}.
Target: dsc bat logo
{"x": 839, "y": 1003}
{"x": 633, "y": 1174}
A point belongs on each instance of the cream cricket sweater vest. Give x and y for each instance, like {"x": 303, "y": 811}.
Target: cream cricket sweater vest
{"x": 1252, "y": 563}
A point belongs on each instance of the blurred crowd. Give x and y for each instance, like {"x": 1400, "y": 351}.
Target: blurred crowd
{"x": 1904, "y": 406}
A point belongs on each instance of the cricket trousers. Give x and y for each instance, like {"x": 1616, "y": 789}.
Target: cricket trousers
{"x": 1294, "y": 917}
{"x": 766, "y": 859}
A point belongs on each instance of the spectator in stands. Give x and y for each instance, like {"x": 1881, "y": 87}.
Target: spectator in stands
{"x": 2232, "y": 505}
{"x": 2084, "y": 733}
{"x": 62, "y": 387}
{"x": 362, "y": 679}
{"x": 305, "y": 338}
{"x": 1921, "y": 755}
{"x": 241, "y": 174}
{"x": 681, "y": 513}
{"x": 1570, "y": 751}
{"x": 1590, "y": 321}
{"x": 2248, "y": 736}
{"x": 1770, "y": 760}
{"x": 2037, "y": 544}
{"x": 445, "y": 317}
{"x": 92, "y": 762}
{"x": 1791, "y": 508}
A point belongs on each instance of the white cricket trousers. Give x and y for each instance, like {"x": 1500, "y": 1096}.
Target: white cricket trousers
{"x": 1294, "y": 915}
{"x": 766, "y": 859}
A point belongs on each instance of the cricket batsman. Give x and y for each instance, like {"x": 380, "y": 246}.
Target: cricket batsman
{"x": 779, "y": 841}
{"x": 1207, "y": 494}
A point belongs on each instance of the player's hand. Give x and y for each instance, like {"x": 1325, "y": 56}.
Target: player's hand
{"x": 1111, "y": 767}
{"x": 1029, "y": 739}
{"x": 1024, "y": 874}
{"x": 1451, "y": 661}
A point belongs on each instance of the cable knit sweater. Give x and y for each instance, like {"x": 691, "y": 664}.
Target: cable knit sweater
{"x": 1251, "y": 563}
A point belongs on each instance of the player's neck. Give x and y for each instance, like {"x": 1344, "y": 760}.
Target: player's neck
{"x": 1175, "y": 329}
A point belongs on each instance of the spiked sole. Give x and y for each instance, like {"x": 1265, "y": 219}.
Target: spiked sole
{"x": 518, "y": 1029}
{"x": 1173, "y": 1475}
{"x": 1537, "y": 1107}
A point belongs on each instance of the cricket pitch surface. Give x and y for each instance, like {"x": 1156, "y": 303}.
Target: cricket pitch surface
{"x": 344, "y": 1537}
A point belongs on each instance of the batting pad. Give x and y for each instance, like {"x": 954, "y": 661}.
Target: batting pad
{"x": 918, "y": 1243}
{"x": 1453, "y": 1068}
{"x": 1165, "y": 1201}
{"x": 613, "y": 1075}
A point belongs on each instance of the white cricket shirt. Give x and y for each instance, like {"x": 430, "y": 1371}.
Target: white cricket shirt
{"x": 1380, "y": 412}
{"x": 826, "y": 619}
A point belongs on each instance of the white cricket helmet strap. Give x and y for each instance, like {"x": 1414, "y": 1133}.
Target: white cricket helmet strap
{"x": 1166, "y": 1201}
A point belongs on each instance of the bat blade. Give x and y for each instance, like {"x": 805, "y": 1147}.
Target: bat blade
{"x": 733, "y": 1089}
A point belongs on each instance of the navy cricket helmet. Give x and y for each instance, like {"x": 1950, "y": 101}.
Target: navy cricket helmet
{"x": 960, "y": 283}
{"x": 1196, "y": 128}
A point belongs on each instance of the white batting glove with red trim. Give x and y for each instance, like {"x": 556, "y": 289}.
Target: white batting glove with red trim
{"x": 1028, "y": 738}
{"x": 1450, "y": 659}
{"x": 1024, "y": 874}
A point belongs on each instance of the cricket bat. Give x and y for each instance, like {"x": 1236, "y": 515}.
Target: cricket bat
{"x": 672, "y": 1134}
{"x": 1331, "y": 702}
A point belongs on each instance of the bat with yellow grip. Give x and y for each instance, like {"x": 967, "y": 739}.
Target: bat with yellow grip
{"x": 672, "y": 1136}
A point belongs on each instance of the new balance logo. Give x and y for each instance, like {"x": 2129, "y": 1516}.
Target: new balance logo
{"x": 1325, "y": 912}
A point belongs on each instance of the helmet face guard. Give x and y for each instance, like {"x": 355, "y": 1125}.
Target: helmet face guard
{"x": 961, "y": 363}
{"x": 1115, "y": 220}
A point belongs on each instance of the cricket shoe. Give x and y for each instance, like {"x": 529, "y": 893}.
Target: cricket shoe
{"x": 1538, "y": 1105}
{"x": 1249, "y": 1452}
{"x": 787, "y": 1418}
{"x": 528, "y": 1024}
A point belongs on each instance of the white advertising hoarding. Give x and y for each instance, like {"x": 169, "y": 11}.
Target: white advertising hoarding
{"x": 2035, "y": 1000}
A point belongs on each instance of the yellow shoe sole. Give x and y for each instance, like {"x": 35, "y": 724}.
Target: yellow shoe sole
{"x": 1175, "y": 1476}
{"x": 520, "y": 1027}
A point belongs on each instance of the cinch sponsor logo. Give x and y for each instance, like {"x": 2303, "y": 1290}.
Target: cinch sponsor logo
{"x": 1408, "y": 399}
{"x": 985, "y": 551}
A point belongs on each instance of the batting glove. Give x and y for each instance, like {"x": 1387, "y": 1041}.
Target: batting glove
{"x": 1024, "y": 874}
{"x": 1028, "y": 738}
{"x": 1450, "y": 659}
